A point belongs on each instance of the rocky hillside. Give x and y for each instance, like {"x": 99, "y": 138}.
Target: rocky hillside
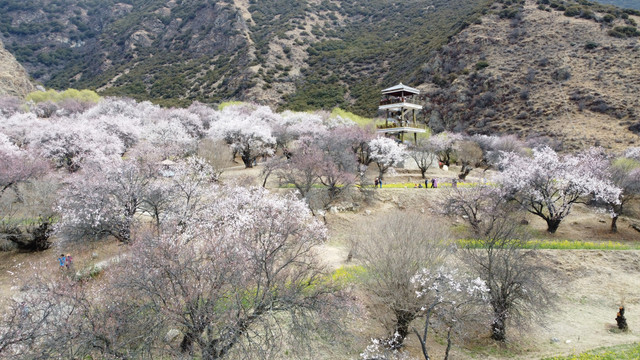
{"x": 14, "y": 80}
{"x": 541, "y": 71}
{"x": 309, "y": 53}
{"x": 567, "y": 69}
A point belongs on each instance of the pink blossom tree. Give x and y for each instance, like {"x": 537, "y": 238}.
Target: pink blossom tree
{"x": 302, "y": 169}
{"x": 359, "y": 139}
{"x": 339, "y": 167}
{"x": 547, "y": 185}
{"x": 386, "y": 152}
{"x": 20, "y": 172}
{"x": 17, "y": 165}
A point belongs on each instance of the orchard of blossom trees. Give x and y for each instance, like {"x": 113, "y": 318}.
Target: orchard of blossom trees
{"x": 226, "y": 269}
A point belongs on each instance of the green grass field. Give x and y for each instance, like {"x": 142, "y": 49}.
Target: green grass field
{"x": 620, "y": 352}
{"x": 560, "y": 245}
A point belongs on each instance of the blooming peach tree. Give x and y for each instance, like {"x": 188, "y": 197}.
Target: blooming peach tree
{"x": 103, "y": 202}
{"x": 547, "y": 184}
{"x": 386, "y": 152}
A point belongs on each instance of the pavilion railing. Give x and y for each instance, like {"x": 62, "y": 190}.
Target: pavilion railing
{"x": 395, "y": 125}
{"x": 398, "y": 100}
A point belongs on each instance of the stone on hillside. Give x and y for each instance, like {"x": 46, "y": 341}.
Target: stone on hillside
{"x": 171, "y": 335}
{"x": 14, "y": 80}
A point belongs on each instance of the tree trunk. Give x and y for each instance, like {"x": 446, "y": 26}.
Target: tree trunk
{"x": 266, "y": 176}
{"x": 124, "y": 233}
{"x": 186, "y": 346}
{"x": 614, "y": 224}
{"x": 464, "y": 172}
{"x": 499, "y": 326}
{"x": 446, "y": 353}
{"x": 552, "y": 225}
{"x": 403, "y": 320}
{"x": 248, "y": 162}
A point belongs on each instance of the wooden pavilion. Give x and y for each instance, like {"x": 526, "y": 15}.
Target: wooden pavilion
{"x": 400, "y": 107}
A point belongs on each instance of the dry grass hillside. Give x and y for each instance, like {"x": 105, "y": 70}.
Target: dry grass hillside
{"x": 540, "y": 73}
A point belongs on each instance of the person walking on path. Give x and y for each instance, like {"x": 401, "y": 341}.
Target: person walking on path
{"x": 68, "y": 261}
{"x": 63, "y": 261}
{"x": 426, "y": 183}
{"x": 380, "y": 181}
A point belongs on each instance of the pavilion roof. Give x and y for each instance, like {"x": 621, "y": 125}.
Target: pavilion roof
{"x": 400, "y": 89}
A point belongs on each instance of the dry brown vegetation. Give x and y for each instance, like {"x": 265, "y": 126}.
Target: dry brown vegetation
{"x": 540, "y": 73}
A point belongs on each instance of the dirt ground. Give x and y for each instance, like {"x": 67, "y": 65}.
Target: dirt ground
{"x": 590, "y": 284}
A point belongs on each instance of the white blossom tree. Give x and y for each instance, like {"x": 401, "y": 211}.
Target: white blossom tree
{"x": 17, "y": 165}
{"x": 192, "y": 181}
{"x": 241, "y": 279}
{"x": 633, "y": 153}
{"x": 247, "y": 132}
{"x": 386, "y": 152}
{"x": 103, "y": 202}
{"x": 229, "y": 279}
{"x": 393, "y": 250}
{"x": 443, "y": 145}
{"x": 494, "y": 147}
{"x": 70, "y": 144}
{"x": 449, "y": 300}
{"x": 547, "y": 185}
{"x": 423, "y": 156}
{"x": 625, "y": 174}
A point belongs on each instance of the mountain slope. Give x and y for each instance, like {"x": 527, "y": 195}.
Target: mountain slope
{"x": 540, "y": 73}
{"x": 14, "y": 80}
{"x": 312, "y": 53}
{"x": 566, "y": 69}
